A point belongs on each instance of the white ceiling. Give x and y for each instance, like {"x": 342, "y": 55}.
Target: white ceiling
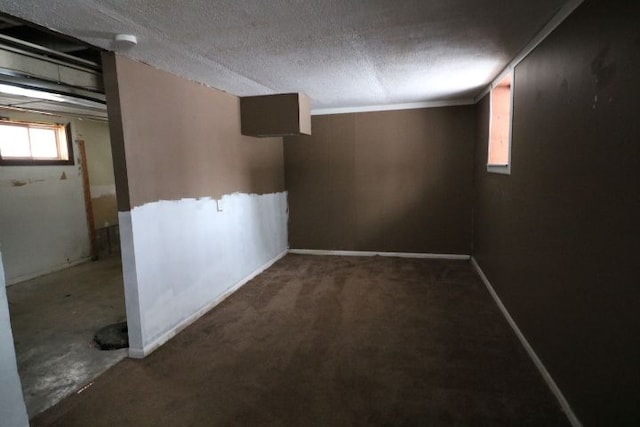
{"x": 340, "y": 53}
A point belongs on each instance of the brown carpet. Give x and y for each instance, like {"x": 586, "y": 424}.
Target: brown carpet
{"x": 331, "y": 341}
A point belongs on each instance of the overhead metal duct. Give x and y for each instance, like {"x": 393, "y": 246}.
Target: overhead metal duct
{"x": 36, "y": 78}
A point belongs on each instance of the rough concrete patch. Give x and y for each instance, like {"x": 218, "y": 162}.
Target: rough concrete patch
{"x": 112, "y": 337}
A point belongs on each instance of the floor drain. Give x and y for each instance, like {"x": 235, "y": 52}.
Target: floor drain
{"x": 112, "y": 337}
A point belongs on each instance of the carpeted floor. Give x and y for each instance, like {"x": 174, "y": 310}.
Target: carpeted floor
{"x": 331, "y": 341}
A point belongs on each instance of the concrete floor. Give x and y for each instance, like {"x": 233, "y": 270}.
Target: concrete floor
{"x": 54, "y": 318}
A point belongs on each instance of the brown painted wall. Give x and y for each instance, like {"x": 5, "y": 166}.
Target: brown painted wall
{"x": 182, "y": 139}
{"x": 560, "y": 238}
{"x": 116, "y": 132}
{"x": 383, "y": 181}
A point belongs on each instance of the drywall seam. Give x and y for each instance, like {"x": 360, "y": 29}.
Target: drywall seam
{"x": 24, "y": 278}
{"x": 149, "y": 348}
{"x": 373, "y": 253}
{"x": 573, "y": 419}
{"x": 392, "y": 107}
{"x": 549, "y": 27}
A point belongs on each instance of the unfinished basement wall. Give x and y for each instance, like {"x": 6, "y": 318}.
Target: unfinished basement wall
{"x": 95, "y": 134}
{"x": 13, "y": 411}
{"x": 43, "y": 225}
{"x": 559, "y": 237}
{"x": 391, "y": 181}
{"x": 201, "y": 207}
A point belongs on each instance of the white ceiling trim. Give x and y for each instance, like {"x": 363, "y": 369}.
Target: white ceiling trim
{"x": 562, "y": 14}
{"x": 391, "y": 107}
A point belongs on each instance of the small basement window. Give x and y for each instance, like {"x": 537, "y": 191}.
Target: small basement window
{"x": 501, "y": 99}
{"x": 25, "y": 144}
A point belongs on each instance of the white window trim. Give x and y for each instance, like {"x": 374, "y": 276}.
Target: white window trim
{"x": 495, "y": 168}
{"x": 501, "y": 169}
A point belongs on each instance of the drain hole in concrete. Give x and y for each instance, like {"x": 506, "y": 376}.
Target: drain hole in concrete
{"x": 112, "y": 337}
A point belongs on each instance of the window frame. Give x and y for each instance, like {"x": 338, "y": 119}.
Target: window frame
{"x": 41, "y": 162}
{"x": 500, "y": 168}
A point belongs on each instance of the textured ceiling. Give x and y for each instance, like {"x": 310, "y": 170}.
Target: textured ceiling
{"x": 340, "y": 53}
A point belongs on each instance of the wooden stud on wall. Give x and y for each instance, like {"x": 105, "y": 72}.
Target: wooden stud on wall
{"x": 93, "y": 242}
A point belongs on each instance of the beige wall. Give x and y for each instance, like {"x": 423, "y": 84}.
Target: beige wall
{"x": 95, "y": 134}
{"x": 559, "y": 237}
{"x": 183, "y": 139}
{"x": 398, "y": 181}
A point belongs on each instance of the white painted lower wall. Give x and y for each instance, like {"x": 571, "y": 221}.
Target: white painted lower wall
{"x": 13, "y": 411}
{"x": 182, "y": 257}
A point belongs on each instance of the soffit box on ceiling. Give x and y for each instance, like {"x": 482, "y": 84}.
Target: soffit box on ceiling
{"x": 275, "y": 115}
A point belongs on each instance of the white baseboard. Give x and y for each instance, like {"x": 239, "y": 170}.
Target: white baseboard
{"x": 60, "y": 267}
{"x": 137, "y": 353}
{"x": 372, "y": 253}
{"x": 575, "y": 422}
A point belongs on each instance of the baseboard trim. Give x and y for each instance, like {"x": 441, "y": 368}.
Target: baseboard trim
{"x": 373, "y": 253}
{"x": 137, "y": 353}
{"x": 573, "y": 419}
{"x": 18, "y": 280}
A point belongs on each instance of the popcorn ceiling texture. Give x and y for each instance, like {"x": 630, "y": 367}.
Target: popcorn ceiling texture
{"x": 340, "y": 53}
